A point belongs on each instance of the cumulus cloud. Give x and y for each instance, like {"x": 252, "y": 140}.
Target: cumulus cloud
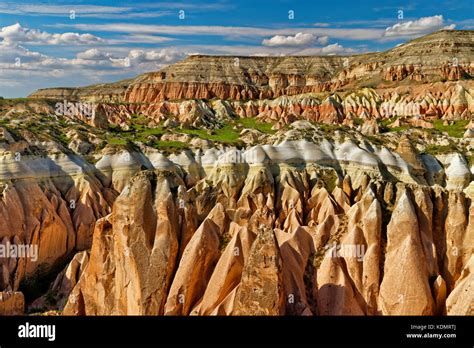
{"x": 333, "y": 49}
{"x": 93, "y": 54}
{"x": 299, "y": 39}
{"x": 165, "y": 55}
{"x": 148, "y": 60}
{"x": 17, "y": 34}
{"x": 92, "y": 61}
{"x": 417, "y": 27}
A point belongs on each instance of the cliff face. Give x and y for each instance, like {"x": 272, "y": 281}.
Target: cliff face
{"x": 449, "y": 100}
{"x": 444, "y": 55}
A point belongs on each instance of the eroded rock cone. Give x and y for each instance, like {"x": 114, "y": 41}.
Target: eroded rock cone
{"x": 94, "y": 292}
{"x": 134, "y": 252}
{"x": 261, "y": 289}
{"x": 220, "y": 292}
{"x": 458, "y": 246}
{"x": 405, "y": 289}
{"x": 196, "y": 265}
{"x": 348, "y": 278}
{"x": 63, "y": 284}
{"x": 362, "y": 247}
{"x": 295, "y": 248}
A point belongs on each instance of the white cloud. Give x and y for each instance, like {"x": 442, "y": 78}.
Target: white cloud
{"x": 15, "y": 57}
{"x": 58, "y": 10}
{"x": 163, "y": 56}
{"x": 233, "y": 50}
{"x": 333, "y": 49}
{"x": 17, "y": 34}
{"x": 417, "y": 27}
{"x": 147, "y": 10}
{"x": 299, "y": 39}
{"x": 93, "y": 54}
{"x": 450, "y": 27}
{"x": 252, "y": 32}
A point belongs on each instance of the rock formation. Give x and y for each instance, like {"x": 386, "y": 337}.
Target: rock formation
{"x": 337, "y": 265}
{"x": 258, "y": 186}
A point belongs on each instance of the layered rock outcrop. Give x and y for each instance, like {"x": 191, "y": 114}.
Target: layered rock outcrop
{"x": 331, "y": 89}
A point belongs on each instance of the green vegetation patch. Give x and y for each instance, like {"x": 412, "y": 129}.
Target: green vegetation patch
{"x": 117, "y": 141}
{"x": 384, "y": 124}
{"x": 137, "y": 133}
{"x": 226, "y": 134}
{"x": 13, "y": 101}
{"x": 400, "y": 129}
{"x": 455, "y": 130}
{"x": 253, "y": 123}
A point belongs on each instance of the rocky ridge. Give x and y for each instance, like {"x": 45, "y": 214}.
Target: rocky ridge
{"x": 429, "y": 77}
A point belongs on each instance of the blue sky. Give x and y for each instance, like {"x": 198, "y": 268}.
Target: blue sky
{"x": 71, "y": 43}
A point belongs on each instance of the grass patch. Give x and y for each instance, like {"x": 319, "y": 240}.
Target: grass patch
{"x": 139, "y": 132}
{"x": 140, "y": 120}
{"x": 150, "y": 131}
{"x": 329, "y": 177}
{"x": 469, "y": 160}
{"x": 14, "y": 100}
{"x": 226, "y": 134}
{"x": 400, "y": 129}
{"x": 455, "y": 130}
{"x": 384, "y": 124}
{"x": 117, "y": 141}
{"x": 253, "y": 123}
